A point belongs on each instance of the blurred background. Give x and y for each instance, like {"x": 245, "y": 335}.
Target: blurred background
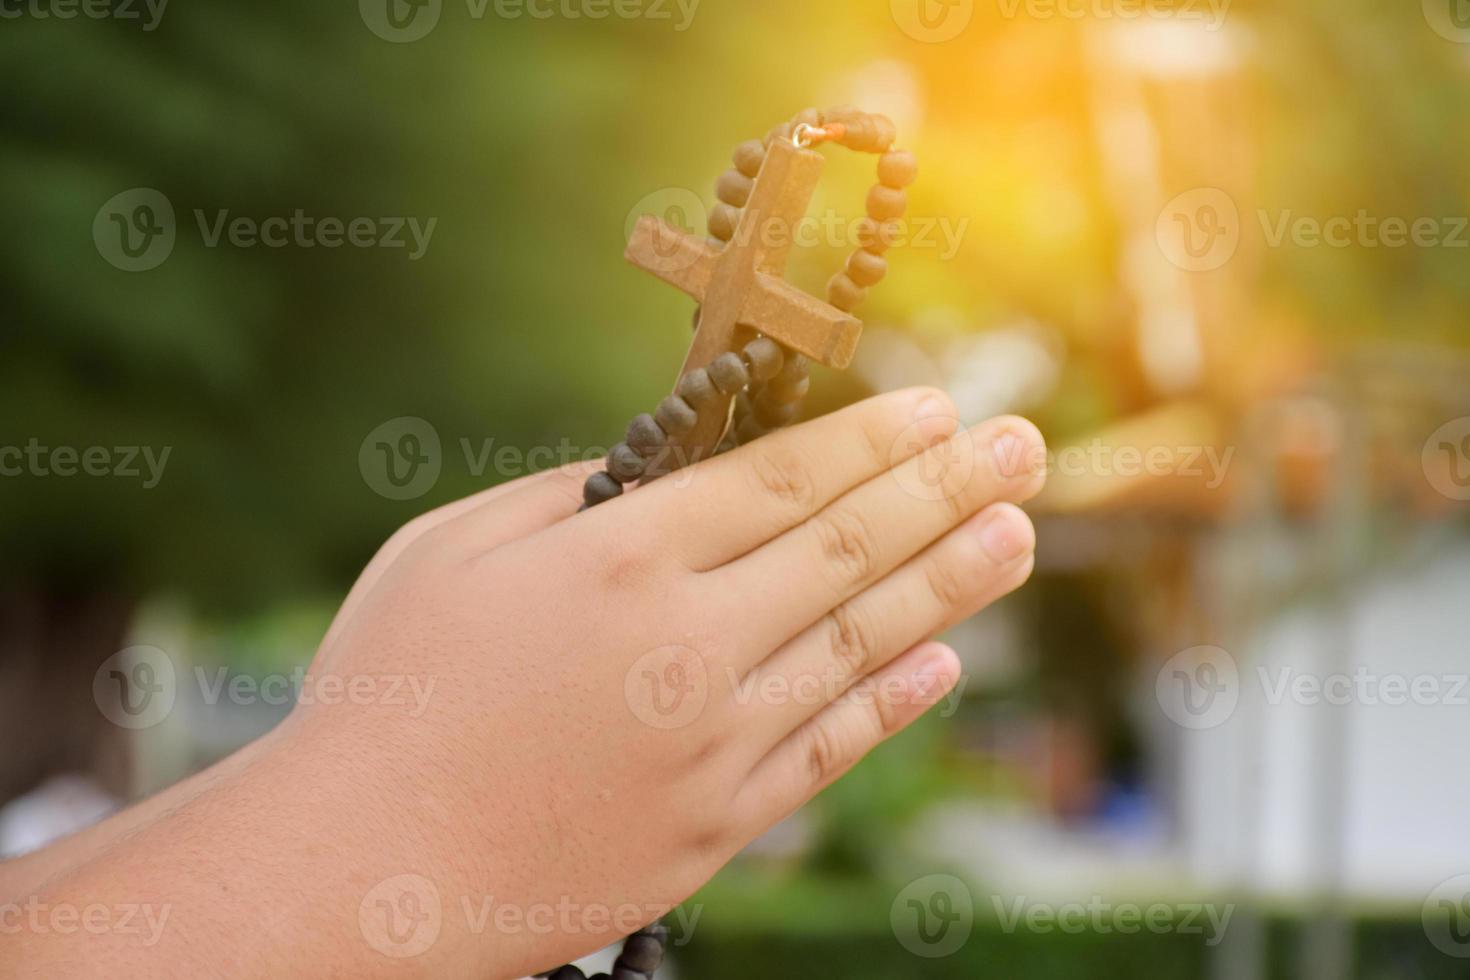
{"x": 1218, "y": 251}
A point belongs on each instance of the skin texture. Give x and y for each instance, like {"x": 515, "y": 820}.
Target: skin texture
{"x": 622, "y": 699}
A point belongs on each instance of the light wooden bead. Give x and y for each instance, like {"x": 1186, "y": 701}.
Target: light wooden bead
{"x": 764, "y": 357}
{"x": 749, "y": 156}
{"x": 599, "y": 488}
{"x": 734, "y": 188}
{"x": 780, "y": 132}
{"x": 697, "y": 389}
{"x": 728, "y": 373}
{"x": 843, "y": 293}
{"x": 877, "y": 236}
{"x": 886, "y": 203}
{"x": 722, "y": 221}
{"x": 775, "y": 414}
{"x": 898, "y": 168}
{"x": 865, "y": 268}
{"x": 884, "y": 133}
{"x": 645, "y": 436}
{"x": 624, "y": 464}
{"x": 675, "y": 416}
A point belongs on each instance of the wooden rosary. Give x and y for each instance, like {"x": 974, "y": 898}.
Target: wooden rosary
{"x": 754, "y": 333}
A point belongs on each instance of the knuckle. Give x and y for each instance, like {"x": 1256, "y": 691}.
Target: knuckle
{"x": 852, "y": 640}
{"x": 847, "y": 544}
{"x": 824, "y": 756}
{"x": 784, "y": 475}
{"x": 949, "y": 587}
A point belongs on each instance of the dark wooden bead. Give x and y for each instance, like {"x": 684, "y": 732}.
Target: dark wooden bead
{"x": 734, "y": 188}
{"x": 567, "y": 972}
{"x": 624, "y": 464}
{"x": 728, "y": 373}
{"x": 645, "y": 436}
{"x": 865, "y": 268}
{"x": 599, "y": 488}
{"x": 886, "y": 203}
{"x": 722, "y": 221}
{"x": 897, "y": 168}
{"x": 775, "y": 414}
{"x": 877, "y": 237}
{"x": 641, "y": 953}
{"x": 749, "y": 430}
{"x": 675, "y": 416}
{"x": 697, "y": 389}
{"x": 764, "y": 357}
{"x": 797, "y": 366}
{"x": 749, "y": 156}
{"x": 656, "y": 928}
{"x": 786, "y": 391}
{"x": 843, "y": 293}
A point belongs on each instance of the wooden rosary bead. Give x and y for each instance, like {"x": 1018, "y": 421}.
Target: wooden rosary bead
{"x": 749, "y": 156}
{"x": 886, "y": 203}
{"x": 697, "y": 389}
{"x": 642, "y": 953}
{"x": 775, "y": 414}
{"x": 877, "y": 236}
{"x": 749, "y": 429}
{"x": 865, "y": 268}
{"x": 599, "y": 488}
{"x": 722, "y": 221}
{"x": 812, "y": 117}
{"x": 764, "y": 357}
{"x": 645, "y": 437}
{"x": 843, "y": 293}
{"x": 797, "y": 366}
{"x": 568, "y": 972}
{"x": 624, "y": 464}
{"x": 734, "y": 188}
{"x": 728, "y": 373}
{"x": 898, "y": 168}
{"x": 786, "y": 391}
{"x": 675, "y": 416}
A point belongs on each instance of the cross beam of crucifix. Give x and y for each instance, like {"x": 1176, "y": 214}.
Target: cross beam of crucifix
{"x": 739, "y": 285}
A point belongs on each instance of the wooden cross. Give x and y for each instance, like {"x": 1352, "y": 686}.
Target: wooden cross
{"x": 739, "y": 285}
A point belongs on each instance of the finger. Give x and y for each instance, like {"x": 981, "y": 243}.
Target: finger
{"x": 523, "y": 512}
{"x": 415, "y": 529}
{"x": 723, "y": 507}
{"x": 817, "y": 753}
{"x": 985, "y": 558}
{"x": 878, "y": 526}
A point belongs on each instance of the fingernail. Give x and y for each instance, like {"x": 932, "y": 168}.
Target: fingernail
{"x": 1008, "y": 454}
{"x": 1000, "y": 539}
{"x": 931, "y": 677}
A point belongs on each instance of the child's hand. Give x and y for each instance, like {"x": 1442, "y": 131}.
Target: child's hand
{"x": 617, "y": 701}
{"x": 625, "y": 697}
